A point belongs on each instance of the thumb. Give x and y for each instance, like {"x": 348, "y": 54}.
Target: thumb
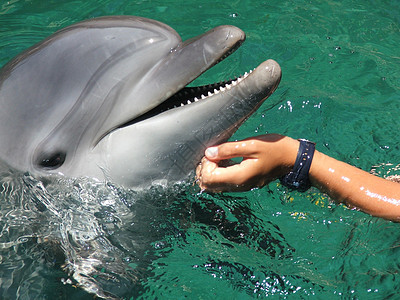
{"x": 230, "y": 150}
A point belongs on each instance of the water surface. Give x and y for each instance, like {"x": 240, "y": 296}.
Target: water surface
{"x": 340, "y": 88}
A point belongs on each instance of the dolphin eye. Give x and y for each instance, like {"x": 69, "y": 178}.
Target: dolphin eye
{"x": 52, "y": 161}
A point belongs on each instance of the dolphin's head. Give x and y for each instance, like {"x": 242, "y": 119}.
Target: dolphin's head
{"x": 107, "y": 99}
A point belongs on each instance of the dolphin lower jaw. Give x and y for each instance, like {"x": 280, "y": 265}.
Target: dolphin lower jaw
{"x": 168, "y": 145}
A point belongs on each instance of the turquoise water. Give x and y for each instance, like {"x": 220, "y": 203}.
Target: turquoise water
{"x": 340, "y": 88}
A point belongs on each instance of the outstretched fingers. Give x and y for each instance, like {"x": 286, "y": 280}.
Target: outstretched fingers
{"x": 231, "y": 150}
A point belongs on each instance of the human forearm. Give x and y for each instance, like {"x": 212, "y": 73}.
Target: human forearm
{"x": 355, "y": 187}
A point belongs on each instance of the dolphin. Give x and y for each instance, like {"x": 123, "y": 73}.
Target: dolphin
{"x": 107, "y": 99}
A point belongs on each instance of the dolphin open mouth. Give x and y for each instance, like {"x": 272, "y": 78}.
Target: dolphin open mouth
{"x": 190, "y": 95}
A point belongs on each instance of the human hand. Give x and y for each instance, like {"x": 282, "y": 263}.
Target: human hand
{"x": 265, "y": 158}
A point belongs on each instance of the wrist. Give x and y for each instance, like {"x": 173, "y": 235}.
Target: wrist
{"x": 288, "y": 152}
{"x": 298, "y": 177}
{"x": 287, "y": 155}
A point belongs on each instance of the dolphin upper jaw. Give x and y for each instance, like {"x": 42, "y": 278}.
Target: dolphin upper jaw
{"x": 179, "y": 67}
{"x": 184, "y": 62}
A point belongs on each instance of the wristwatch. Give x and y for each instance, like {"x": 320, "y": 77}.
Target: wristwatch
{"x": 298, "y": 178}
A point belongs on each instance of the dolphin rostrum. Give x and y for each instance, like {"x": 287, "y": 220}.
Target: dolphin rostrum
{"x": 107, "y": 99}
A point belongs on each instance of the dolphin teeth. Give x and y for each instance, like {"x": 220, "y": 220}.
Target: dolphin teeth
{"x": 216, "y": 91}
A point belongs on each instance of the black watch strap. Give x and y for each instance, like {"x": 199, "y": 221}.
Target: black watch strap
{"x": 298, "y": 179}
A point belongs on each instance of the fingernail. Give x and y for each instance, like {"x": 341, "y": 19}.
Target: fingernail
{"x": 212, "y": 152}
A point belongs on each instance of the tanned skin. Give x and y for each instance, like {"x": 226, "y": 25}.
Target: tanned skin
{"x": 268, "y": 157}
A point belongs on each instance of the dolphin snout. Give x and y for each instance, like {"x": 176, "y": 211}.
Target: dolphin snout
{"x": 267, "y": 76}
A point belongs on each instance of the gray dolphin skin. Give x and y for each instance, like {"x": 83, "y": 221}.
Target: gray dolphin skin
{"x": 107, "y": 99}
